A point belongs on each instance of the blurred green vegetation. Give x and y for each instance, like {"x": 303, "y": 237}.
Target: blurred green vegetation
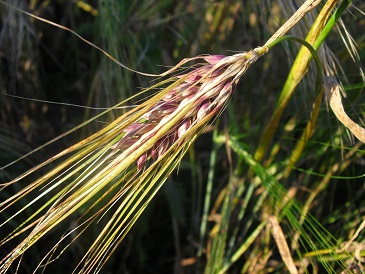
{"x": 39, "y": 61}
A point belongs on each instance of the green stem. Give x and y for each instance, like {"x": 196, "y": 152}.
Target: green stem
{"x": 331, "y": 22}
{"x": 208, "y": 194}
{"x": 316, "y": 36}
{"x": 311, "y": 49}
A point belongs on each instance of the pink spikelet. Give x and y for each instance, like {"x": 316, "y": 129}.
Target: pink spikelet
{"x": 202, "y": 93}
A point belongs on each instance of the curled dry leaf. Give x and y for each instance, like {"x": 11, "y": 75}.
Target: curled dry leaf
{"x": 333, "y": 94}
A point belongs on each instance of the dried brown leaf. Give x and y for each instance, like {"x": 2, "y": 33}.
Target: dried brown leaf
{"x": 282, "y": 245}
{"x": 333, "y": 94}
